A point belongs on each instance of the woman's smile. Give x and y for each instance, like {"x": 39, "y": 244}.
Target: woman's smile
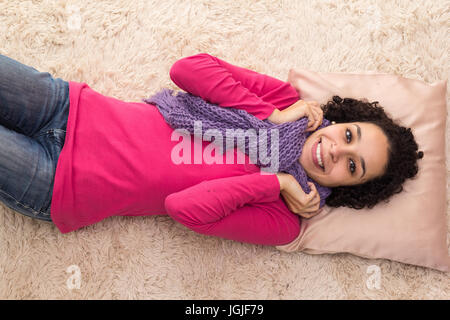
{"x": 317, "y": 155}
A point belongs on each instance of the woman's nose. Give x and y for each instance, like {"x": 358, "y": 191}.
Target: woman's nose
{"x": 337, "y": 151}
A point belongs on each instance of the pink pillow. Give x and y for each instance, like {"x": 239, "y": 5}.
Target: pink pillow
{"x": 412, "y": 227}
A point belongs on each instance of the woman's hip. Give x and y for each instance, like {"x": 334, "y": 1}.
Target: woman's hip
{"x": 34, "y": 110}
{"x": 27, "y": 171}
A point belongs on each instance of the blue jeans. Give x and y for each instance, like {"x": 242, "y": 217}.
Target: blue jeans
{"x": 34, "y": 108}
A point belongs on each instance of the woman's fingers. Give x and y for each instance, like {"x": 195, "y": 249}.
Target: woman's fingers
{"x": 310, "y": 215}
{"x": 313, "y": 201}
{"x": 308, "y": 204}
{"x": 300, "y": 202}
{"x": 315, "y": 119}
{"x": 312, "y": 116}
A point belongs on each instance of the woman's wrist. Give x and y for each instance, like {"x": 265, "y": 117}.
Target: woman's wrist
{"x": 275, "y": 116}
{"x": 281, "y": 179}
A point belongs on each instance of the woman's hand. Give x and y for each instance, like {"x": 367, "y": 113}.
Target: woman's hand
{"x": 298, "y": 110}
{"x": 305, "y": 205}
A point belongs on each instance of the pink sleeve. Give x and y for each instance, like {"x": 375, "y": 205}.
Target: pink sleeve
{"x": 244, "y": 208}
{"x": 219, "y": 82}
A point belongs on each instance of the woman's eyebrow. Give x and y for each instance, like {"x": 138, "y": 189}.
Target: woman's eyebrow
{"x": 363, "y": 163}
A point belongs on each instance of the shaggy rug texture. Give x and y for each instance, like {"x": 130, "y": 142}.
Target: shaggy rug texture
{"x": 125, "y": 49}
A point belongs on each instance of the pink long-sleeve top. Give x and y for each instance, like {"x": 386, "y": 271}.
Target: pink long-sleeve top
{"x": 116, "y": 160}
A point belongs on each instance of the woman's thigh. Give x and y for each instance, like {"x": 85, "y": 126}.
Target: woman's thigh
{"x": 31, "y": 102}
{"x": 27, "y": 169}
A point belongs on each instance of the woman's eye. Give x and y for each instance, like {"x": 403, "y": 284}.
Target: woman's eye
{"x": 352, "y": 166}
{"x": 348, "y": 134}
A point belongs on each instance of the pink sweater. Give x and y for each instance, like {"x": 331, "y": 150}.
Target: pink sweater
{"x": 116, "y": 161}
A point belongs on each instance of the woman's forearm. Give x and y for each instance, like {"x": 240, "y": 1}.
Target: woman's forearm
{"x": 274, "y": 116}
{"x": 227, "y": 85}
{"x": 282, "y": 179}
{"x": 243, "y": 208}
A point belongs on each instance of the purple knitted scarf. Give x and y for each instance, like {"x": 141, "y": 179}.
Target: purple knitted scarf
{"x": 281, "y": 143}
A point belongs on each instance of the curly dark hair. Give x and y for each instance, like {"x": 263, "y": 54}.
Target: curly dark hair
{"x": 402, "y": 154}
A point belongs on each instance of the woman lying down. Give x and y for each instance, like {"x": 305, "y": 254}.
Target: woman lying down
{"x": 238, "y": 155}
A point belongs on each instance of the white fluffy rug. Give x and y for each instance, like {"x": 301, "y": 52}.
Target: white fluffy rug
{"x": 125, "y": 49}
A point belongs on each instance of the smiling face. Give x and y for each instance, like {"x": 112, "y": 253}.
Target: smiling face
{"x": 345, "y": 154}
